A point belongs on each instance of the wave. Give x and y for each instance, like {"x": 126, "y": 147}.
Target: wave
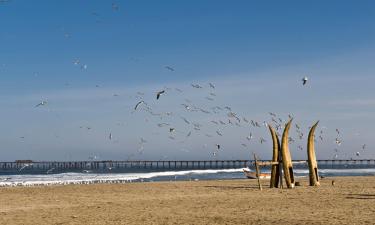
{"x": 91, "y": 178}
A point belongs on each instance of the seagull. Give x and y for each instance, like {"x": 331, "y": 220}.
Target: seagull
{"x": 24, "y": 166}
{"x": 114, "y": 6}
{"x": 139, "y": 103}
{"x": 50, "y": 170}
{"x": 364, "y": 146}
{"x": 221, "y": 122}
{"x": 169, "y": 68}
{"x": 357, "y": 154}
{"x": 110, "y": 136}
{"x": 272, "y": 114}
{"x": 338, "y": 142}
{"x": 186, "y": 121}
{"x": 42, "y": 103}
{"x": 188, "y": 135}
{"x": 171, "y": 130}
{"x": 218, "y": 133}
{"x": 159, "y": 93}
{"x": 304, "y": 80}
{"x": 249, "y": 137}
{"x": 84, "y": 66}
{"x": 218, "y": 146}
{"x": 196, "y": 86}
{"x": 212, "y": 86}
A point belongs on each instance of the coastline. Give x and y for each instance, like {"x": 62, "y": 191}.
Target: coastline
{"x": 350, "y": 201}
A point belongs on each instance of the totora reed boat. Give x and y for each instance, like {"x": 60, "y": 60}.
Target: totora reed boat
{"x": 252, "y": 175}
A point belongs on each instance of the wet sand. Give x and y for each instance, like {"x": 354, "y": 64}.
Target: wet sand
{"x": 350, "y": 201}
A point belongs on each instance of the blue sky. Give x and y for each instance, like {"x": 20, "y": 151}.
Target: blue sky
{"x": 255, "y": 52}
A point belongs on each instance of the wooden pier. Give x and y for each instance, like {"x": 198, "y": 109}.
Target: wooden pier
{"x": 55, "y": 166}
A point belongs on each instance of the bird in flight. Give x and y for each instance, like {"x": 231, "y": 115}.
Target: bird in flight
{"x": 169, "y": 68}
{"x": 42, "y": 103}
{"x": 304, "y": 80}
{"x": 196, "y": 86}
{"x": 115, "y": 7}
{"x": 212, "y": 86}
{"x": 139, "y": 103}
{"x": 159, "y": 93}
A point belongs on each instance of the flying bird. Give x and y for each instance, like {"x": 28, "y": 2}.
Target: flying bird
{"x": 304, "y": 80}
{"x": 159, "y": 93}
{"x": 212, "y": 86}
{"x": 115, "y": 7}
{"x": 169, "y": 68}
{"x": 42, "y": 103}
{"x": 138, "y": 104}
{"x": 196, "y": 86}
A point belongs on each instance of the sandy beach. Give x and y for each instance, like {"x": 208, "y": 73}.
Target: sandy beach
{"x": 350, "y": 201}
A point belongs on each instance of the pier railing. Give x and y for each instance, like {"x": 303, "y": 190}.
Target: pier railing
{"x": 54, "y": 166}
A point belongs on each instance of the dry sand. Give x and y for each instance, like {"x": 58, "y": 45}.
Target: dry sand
{"x": 350, "y": 201}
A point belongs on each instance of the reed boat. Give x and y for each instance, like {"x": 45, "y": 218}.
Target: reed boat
{"x": 252, "y": 175}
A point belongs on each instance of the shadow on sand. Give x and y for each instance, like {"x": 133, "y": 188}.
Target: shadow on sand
{"x": 361, "y": 196}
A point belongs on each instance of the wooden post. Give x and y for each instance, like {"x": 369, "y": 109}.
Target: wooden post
{"x": 257, "y": 172}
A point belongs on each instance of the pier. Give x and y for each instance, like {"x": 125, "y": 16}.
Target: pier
{"x": 123, "y": 166}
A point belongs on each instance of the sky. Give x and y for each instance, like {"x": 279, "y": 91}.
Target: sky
{"x": 92, "y": 61}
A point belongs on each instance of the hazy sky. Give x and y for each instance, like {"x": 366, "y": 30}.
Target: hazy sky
{"x": 89, "y": 59}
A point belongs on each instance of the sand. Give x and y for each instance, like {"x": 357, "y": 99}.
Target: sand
{"x": 350, "y": 201}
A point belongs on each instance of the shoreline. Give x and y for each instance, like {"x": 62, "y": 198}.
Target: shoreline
{"x": 350, "y": 201}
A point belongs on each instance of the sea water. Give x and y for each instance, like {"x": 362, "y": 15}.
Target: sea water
{"x": 19, "y": 178}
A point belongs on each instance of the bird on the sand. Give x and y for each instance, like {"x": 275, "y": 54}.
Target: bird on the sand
{"x": 159, "y": 93}
{"x": 304, "y": 80}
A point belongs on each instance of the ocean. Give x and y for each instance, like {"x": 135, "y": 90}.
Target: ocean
{"x": 36, "y": 178}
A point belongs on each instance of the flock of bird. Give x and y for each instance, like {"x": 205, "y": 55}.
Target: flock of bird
{"x": 231, "y": 117}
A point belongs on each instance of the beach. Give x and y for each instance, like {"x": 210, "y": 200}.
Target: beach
{"x": 350, "y": 201}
